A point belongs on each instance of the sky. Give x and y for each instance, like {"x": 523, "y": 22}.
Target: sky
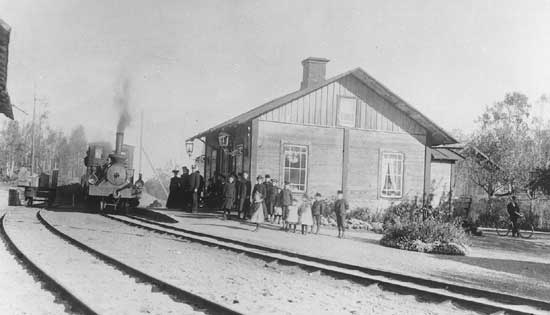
{"x": 193, "y": 64}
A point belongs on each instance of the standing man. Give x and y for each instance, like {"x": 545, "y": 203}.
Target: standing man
{"x": 286, "y": 201}
{"x": 229, "y": 194}
{"x": 185, "y": 185}
{"x": 244, "y": 196}
{"x": 341, "y": 207}
{"x": 268, "y": 204}
{"x": 173, "y": 196}
{"x": 514, "y": 213}
{"x": 194, "y": 186}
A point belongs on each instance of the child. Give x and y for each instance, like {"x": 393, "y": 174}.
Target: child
{"x": 258, "y": 210}
{"x": 277, "y": 208}
{"x": 341, "y": 206}
{"x": 293, "y": 217}
{"x": 229, "y": 194}
{"x": 305, "y": 214}
{"x": 319, "y": 206}
{"x": 286, "y": 201}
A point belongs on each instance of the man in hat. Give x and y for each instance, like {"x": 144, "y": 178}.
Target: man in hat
{"x": 173, "y": 196}
{"x": 194, "y": 186}
{"x": 243, "y": 192}
{"x": 185, "y": 189}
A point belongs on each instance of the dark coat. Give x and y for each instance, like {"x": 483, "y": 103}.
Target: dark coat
{"x": 259, "y": 188}
{"x": 229, "y": 195}
{"x": 244, "y": 189}
{"x": 268, "y": 186}
{"x": 185, "y": 182}
{"x": 286, "y": 197}
{"x": 194, "y": 181}
{"x": 340, "y": 207}
{"x": 512, "y": 209}
{"x": 174, "y": 195}
{"x": 318, "y": 207}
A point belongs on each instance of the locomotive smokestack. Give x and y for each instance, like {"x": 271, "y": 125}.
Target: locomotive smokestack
{"x": 119, "y": 142}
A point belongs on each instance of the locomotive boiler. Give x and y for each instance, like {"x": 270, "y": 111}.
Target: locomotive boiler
{"x": 109, "y": 179}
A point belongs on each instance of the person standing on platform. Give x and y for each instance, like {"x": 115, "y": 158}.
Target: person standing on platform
{"x": 341, "y": 207}
{"x": 260, "y": 188}
{"x": 173, "y": 196}
{"x": 229, "y": 194}
{"x": 185, "y": 188}
{"x": 267, "y": 198}
{"x": 244, "y": 196}
{"x": 286, "y": 201}
{"x": 257, "y": 210}
{"x": 304, "y": 212}
{"x": 319, "y": 206}
{"x": 194, "y": 186}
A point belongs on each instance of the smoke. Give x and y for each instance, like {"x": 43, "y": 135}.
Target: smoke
{"x": 122, "y": 103}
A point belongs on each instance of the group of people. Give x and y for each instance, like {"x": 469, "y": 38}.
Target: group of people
{"x": 185, "y": 190}
{"x": 266, "y": 201}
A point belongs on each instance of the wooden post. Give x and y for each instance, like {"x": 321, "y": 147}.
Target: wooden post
{"x": 253, "y": 151}
{"x": 345, "y": 163}
{"x": 427, "y": 174}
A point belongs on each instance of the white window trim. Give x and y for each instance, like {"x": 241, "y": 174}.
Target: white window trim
{"x": 383, "y": 176}
{"x": 338, "y": 124}
{"x": 306, "y": 168}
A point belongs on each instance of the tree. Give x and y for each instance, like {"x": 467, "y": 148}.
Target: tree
{"x": 505, "y": 144}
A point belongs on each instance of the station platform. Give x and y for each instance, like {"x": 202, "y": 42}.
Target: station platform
{"x": 514, "y": 266}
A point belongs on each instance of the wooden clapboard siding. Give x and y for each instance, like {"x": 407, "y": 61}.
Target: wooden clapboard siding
{"x": 320, "y": 108}
{"x": 325, "y": 153}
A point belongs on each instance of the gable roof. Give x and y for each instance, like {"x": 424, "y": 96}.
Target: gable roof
{"x": 438, "y": 135}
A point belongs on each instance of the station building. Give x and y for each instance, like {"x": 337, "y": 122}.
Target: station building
{"x": 347, "y": 132}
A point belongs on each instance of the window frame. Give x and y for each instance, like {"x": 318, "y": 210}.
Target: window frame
{"x": 338, "y": 112}
{"x": 305, "y": 169}
{"x": 382, "y": 175}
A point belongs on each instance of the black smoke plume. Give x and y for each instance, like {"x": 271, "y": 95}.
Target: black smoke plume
{"x": 122, "y": 103}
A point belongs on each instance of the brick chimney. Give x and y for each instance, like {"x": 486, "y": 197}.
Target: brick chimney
{"x": 314, "y": 71}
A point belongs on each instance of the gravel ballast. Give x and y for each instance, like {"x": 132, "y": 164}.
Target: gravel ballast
{"x": 100, "y": 286}
{"x": 247, "y": 284}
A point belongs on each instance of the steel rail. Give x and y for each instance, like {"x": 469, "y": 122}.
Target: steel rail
{"x": 52, "y": 285}
{"x": 196, "y": 301}
{"x": 395, "y": 282}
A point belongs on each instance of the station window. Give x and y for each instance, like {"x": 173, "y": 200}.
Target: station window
{"x": 295, "y": 166}
{"x": 392, "y": 175}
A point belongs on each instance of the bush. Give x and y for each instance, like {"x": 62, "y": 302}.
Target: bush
{"x": 407, "y": 226}
{"x": 431, "y": 236}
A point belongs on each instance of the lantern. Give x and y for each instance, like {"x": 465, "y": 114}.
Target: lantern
{"x": 189, "y": 147}
{"x": 223, "y": 139}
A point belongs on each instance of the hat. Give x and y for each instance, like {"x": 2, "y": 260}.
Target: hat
{"x": 318, "y": 195}
{"x": 267, "y": 176}
{"x": 287, "y": 182}
{"x": 175, "y": 171}
{"x": 260, "y": 177}
{"x": 340, "y": 192}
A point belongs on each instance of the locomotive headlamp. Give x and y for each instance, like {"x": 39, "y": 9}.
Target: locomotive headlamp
{"x": 189, "y": 144}
{"x": 92, "y": 180}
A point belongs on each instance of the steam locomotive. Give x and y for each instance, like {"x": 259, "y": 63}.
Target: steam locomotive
{"x": 109, "y": 178}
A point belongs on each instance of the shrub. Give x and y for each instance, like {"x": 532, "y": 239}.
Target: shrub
{"x": 432, "y": 236}
{"x": 407, "y": 226}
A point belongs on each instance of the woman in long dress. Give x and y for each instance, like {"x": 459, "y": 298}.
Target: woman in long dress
{"x": 258, "y": 208}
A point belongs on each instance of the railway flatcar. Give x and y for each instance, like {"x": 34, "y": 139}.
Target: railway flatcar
{"x": 109, "y": 179}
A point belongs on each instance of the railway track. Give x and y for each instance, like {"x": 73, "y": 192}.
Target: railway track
{"x": 484, "y": 301}
{"x": 92, "y": 282}
{"x": 72, "y": 303}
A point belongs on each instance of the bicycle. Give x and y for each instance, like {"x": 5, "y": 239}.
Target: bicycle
{"x": 525, "y": 229}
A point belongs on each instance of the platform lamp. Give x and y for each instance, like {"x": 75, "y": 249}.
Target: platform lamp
{"x": 189, "y": 144}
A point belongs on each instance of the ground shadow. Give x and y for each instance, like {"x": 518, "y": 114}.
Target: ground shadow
{"x": 534, "y": 270}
